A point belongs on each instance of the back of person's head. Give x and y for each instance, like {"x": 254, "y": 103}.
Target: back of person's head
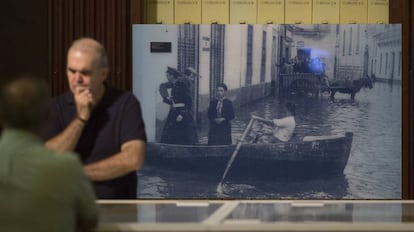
{"x": 291, "y": 108}
{"x": 24, "y": 103}
{"x": 91, "y": 46}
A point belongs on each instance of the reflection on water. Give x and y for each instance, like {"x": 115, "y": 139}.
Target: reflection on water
{"x": 374, "y": 165}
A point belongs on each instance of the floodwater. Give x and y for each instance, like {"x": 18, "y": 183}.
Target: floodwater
{"x": 374, "y": 166}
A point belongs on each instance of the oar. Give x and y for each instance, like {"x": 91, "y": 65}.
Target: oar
{"x": 233, "y": 156}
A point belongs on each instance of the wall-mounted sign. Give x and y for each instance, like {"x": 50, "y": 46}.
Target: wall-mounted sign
{"x": 161, "y": 47}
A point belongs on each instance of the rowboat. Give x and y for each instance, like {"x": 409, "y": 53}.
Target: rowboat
{"x": 311, "y": 156}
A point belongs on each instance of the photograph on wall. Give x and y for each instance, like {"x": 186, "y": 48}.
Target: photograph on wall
{"x": 269, "y": 111}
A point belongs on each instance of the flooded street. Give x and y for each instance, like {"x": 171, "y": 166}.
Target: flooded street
{"x": 374, "y": 166}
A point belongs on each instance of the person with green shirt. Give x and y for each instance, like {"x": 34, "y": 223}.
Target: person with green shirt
{"x": 41, "y": 189}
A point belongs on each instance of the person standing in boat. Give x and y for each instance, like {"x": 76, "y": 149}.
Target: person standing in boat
{"x": 283, "y": 128}
{"x": 179, "y": 128}
{"x": 220, "y": 113}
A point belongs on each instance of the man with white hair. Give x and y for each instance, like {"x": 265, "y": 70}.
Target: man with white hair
{"x": 102, "y": 124}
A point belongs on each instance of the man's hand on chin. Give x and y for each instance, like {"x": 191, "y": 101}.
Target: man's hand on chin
{"x": 84, "y": 101}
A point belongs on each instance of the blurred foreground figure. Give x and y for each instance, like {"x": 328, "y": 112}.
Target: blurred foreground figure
{"x": 40, "y": 189}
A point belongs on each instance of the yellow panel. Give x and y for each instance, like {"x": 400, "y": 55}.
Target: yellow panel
{"x": 353, "y": 11}
{"x": 298, "y": 11}
{"x": 215, "y": 11}
{"x": 325, "y": 11}
{"x": 243, "y": 11}
{"x": 271, "y": 11}
{"x": 378, "y": 11}
{"x": 159, "y": 11}
{"x": 187, "y": 11}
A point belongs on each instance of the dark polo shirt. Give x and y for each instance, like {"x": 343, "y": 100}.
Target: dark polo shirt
{"x": 115, "y": 120}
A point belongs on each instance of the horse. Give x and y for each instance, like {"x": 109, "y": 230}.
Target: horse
{"x": 350, "y": 87}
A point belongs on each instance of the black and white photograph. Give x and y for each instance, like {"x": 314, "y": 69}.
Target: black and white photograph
{"x": 270, "y": 111}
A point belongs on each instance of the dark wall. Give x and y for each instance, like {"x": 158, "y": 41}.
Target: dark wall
{"x": 23, "y": 38}
{"x": 400, "y": 12}
{"x": 108, "y": 21}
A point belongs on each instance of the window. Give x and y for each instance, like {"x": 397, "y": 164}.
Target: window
{"x": 343, "y": 44}
{"x": 263, "y": 63}
{"x": 217, "y": 56}
{"x": 350, "y": 42}
{"x": 187, "y": 47}
{"x": 386, "y": 63}
{"x": 380, "y": 68}
{"x": 249, "y": 64}
{"x": 357, "y": 40}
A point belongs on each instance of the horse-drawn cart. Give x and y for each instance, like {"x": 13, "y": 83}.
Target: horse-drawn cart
{"x": 315, "y": 84}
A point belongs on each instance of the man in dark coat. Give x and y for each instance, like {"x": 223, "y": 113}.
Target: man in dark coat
{"x": 220, "y": 112}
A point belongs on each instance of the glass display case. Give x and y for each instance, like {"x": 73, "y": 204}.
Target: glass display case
{"x": 256, "y": 215}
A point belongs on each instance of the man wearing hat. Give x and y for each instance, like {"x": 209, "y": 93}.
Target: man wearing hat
{"x": 179, "y": 128}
